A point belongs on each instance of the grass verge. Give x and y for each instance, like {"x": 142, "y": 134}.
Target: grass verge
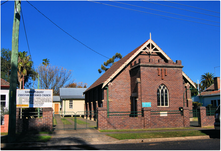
{"x": 28, "y": 138}
{"x": 156, "y": 135}
{"x": 65, "y": 121}
{"x": 79, "y": 121}
{"x": 152, "y": 129}
{"x": 54, "y": 121}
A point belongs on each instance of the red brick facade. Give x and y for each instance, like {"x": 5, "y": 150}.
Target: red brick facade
{"x": 135, "y": 79}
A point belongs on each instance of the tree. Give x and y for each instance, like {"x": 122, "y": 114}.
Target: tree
{"x": 45, "y": 62}
{"x": 53, "y": 77}
{"x": 207, "y": 80}
{"x": 6, "y": 67}
{"x": 109, "y": 62}
{"x": 5, "y": 64}
{"x": 76, "y": 85}
{"x": 24, "y": 64}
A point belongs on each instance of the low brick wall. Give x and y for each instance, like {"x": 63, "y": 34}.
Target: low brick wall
{"x": 4, "y": 128}
{"x": 45, "y": 123}
{"x": 166, "y": 121}
{"x": 205, "y": 120}
{"x": 147, "y": 121}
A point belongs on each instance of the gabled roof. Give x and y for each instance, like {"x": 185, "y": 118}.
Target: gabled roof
{"x": 72, "y": 93}
{"x": 210, "y": 91}
{"x": 149, "y": 46}
{"x": 4, "y": 83}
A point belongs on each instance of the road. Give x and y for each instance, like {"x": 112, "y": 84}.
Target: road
{"x": 208, "y": 144}
{"x": 204, "y": 144}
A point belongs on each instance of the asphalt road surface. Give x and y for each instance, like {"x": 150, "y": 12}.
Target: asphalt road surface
{"x": 208, "y": 144}
{"x": 204, "y": 144}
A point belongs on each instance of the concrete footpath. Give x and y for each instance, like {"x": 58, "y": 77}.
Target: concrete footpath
{"x": 86, "y": 138}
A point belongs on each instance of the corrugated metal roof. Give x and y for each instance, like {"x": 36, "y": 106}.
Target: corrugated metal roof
{"x": 72, "y": 93}
{"x": 74, "y": 97}
{"x": 56, "y": 99}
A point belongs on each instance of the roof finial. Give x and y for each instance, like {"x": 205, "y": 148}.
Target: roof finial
{"x": 150, "y": 35}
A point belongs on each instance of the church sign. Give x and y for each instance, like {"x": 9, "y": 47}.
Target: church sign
{"x": 146, "y": 104}
{"x": 34, "y": 98}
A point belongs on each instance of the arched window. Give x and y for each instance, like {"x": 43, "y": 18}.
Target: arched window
{"x": 162, "y": 96}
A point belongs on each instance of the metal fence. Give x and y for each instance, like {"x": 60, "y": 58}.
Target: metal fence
{"x": 210, "y": 111}
{"x": 195, "y": 112}
{"x": 70, "y": 120}
{"x": 166, "y": 112}
{"x": 28, "y": 113}
{"x": 126, "y": 113}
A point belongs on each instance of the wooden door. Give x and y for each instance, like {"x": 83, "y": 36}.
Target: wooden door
{"x": 56, "y": 109}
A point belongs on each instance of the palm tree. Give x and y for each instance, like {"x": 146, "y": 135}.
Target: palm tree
{"x": 207, "y": 80}
{"x": 24, "y": 64}
{"x": 45, "y": 62}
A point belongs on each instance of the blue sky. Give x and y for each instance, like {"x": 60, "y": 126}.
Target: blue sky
{"x": 184, "y": 30}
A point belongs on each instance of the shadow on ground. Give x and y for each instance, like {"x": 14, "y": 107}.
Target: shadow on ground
{"x": 25, "y": 141}
{"x": 58, "y": 144}
{"x": 212, "y": 133}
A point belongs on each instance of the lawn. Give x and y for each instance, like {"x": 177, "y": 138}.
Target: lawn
{"x": 152, "y": 129}
{"x": 65, "y": 121}
{"x": 156, "y": 135}
{"x": 27, "y": 138}
{"x": 79, "y": 121}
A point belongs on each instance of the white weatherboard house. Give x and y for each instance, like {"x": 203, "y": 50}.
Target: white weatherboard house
{"x": 72, "y": 101}
{"x": 4, "y": 94}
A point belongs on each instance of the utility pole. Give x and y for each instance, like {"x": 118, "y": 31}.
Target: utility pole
{"x": 13, "y": 77}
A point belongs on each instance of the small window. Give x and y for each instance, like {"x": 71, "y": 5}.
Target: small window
{"x": 70, "y": 104}
{"x": 213, "y": 102}
{"x": 162, "y": 96}
{"x": 3, "y": 97}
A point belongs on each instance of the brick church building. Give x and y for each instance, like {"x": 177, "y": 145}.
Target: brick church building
{"x": 145, "y": 81}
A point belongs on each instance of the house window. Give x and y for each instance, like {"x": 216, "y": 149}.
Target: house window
{"x": 213, "y": 102}
{"x": 162, "y": 96}
{"x": 3, "y": 97}
{"x": 70, "y": 104}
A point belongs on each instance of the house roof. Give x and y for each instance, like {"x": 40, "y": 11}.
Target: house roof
{"x": 4, "y": 83}
{"x": 56, "y": 99}
{"x": 72, "y": 93}
{"x": 210, "y": 91}
{"x": 117, "y": 67}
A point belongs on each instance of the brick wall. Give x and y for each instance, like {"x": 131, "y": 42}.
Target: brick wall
{"x": 145, "y": 122}
{"x": 4, "y": 128}
{"x": 45, "y": 123}
{"x": 205, "y": 120}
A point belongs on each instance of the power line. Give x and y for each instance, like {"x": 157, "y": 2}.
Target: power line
{"x": 165, "y": 11}
{"x": 23, "y": 20}
{"x": 67, "y": 32}
{"x": 153, "y": 13}
{"x": 4, "y": 2}
{"x": 180, "y": 8}
{"x": 191, "y": 6}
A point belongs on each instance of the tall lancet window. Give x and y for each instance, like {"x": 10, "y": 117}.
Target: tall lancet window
{"x": 162, "y": 96}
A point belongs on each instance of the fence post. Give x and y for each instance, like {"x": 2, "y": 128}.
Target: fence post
{"x": 147, "y": 117}
{"x": 102, "y": 118}
{"x": 186, "y": 117}
{"x": 202, "y": 116}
